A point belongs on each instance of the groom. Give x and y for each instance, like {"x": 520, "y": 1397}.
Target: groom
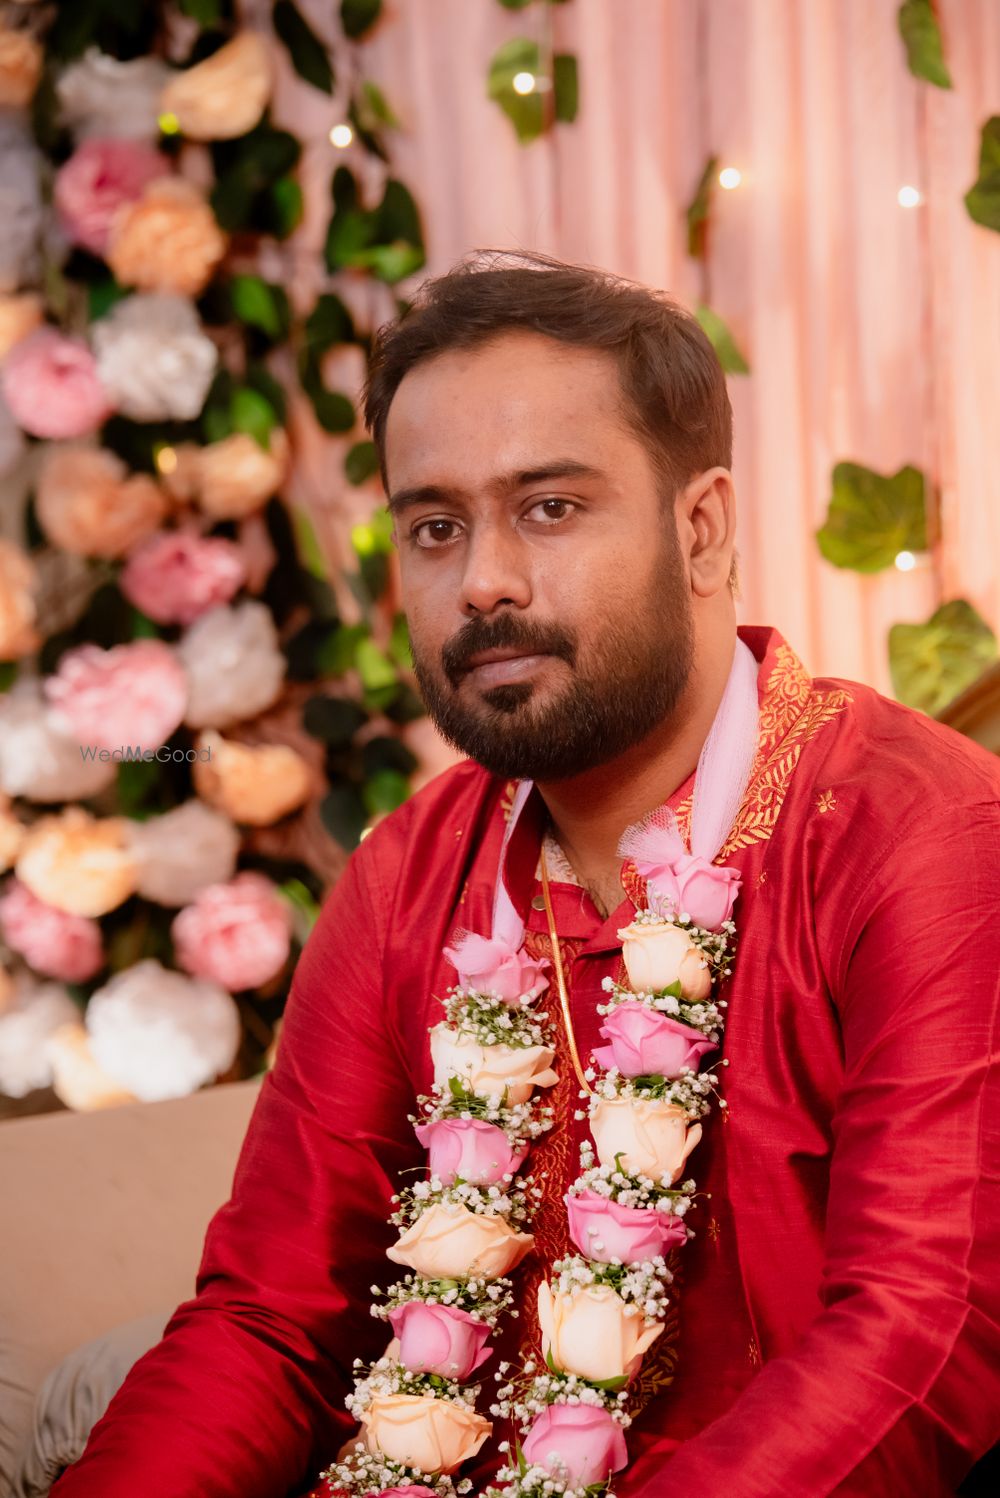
{"x": 556, "y": 448}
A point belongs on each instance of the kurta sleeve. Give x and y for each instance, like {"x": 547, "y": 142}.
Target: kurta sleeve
{"x": 895, "y": 1387}
{"x": 244, "y": 1397}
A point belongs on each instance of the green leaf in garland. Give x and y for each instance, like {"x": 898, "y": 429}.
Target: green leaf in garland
{"x": 932, "y": 663}
{"x": 699, "y": 209}
{"x": 921, "y": 33}
{"x": 357, "y": 15}
{"x": 525, "y": 111}
{"x": 361, "y": 462}
{"x": 873, "y": 517}
{"x": 260, "y": 304}
{"x": 253, "y": 413}
{"x": 565, "y": 86}
{"x": 310, "y": 58}
{"x": 344, "y": 815}
{"x": 722, "y": 341}
{"x": 983, "y": 198}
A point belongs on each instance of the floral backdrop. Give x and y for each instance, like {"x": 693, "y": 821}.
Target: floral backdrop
{"x": 199, "y": 716}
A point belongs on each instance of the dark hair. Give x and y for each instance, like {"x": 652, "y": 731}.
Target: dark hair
{"x": 672, "y": 387}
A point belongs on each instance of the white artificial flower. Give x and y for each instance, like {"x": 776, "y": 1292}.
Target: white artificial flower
{"x": 21, "y": 210}
{"x": 161, "y": 1034}
{"x": 33, "y": 1012}
{"x": 181, "y": 852}
{"x": 234, "y": 666}
{"x": 154, "y": 358}
{"x": 99, "y": 95}
{"x": 39, "y": 762}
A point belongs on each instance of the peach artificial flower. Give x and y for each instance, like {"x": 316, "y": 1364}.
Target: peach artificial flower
{"x": 18, "y": 583}
{"x": 77, "y": 862}
{"x": 651, "y": 1136}
{"x": 236, "y": 477}
{"x": 11, "y": 834}
{"x": 657, "y": 956}
{"x": 448, "y": 1242}
{"x": 422, "y": 1431}
{"x": 77, "y": 1080}
{"x": 489, "y": 1070}
{"x": 20, "y": 68}
{"x": 87, "y": 504}
{"x": 255, "y": 784}
{"x": 167, "y": 240}
{"x": 225, "y": 95}
{"x": 20, "y": 314}
{"x": 593, "y": 1333}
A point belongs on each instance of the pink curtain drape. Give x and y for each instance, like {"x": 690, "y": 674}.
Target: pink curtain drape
{"x": 872, "y": 329}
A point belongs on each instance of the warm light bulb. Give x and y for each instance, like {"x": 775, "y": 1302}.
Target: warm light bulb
{"x": 909, "y": 197}
{"x": 341, "y": 136}
{"x": 524, "y": 83}
{"x": 169, "y": 124}
{"x": 905, "y": 561}
{"x": 730, "y": 177}
{"x": 165, "y": 459}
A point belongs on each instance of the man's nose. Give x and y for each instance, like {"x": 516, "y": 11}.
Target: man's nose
{"x": 496, "y": 571}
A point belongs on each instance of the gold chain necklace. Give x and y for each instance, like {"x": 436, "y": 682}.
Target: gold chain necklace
{"x": 561, "y": 978}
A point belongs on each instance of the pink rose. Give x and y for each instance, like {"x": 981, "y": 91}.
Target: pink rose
{"x": 471, "y": 1148}
{"x": 645, "y": 1043}
{"x": 238, "y": 933}
{"x": 606, "y": 1231}
{"x": 694, "y": 887}
{"x": 492, "y": 966}
{"x": 175, "y": 577}
{"x": 100, "y": 177}
{"x": 51, "y": 386}
{"x": 133, "y": 694}
{"x": 439, "y": 1339}
{"x": 583, "y": 1439}
{"x": 51, "y": 941}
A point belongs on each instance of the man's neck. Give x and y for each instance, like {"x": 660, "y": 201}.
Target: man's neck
{"x": 591, "y": 811}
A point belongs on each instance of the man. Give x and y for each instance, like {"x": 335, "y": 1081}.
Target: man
{"x": 556, "y": 448}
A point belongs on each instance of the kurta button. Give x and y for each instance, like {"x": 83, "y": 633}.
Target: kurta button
{"x": 538, "y": 903}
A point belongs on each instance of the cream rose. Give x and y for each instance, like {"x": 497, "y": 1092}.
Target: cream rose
{"x": 593, "y": 1333}
{"x": 225, "y": 95}
{"x": 487, "y": 1070}
{"x": 454, "y": 1243}
{"x": 433, "y": 1435}
{"x": 658, "y": 956}
{"x": 653, "y": 1138}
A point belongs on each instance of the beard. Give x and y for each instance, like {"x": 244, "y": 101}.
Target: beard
{"x": 631, "y": 681}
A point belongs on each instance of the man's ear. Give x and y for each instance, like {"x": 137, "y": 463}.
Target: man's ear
{"x": 706, "y": 528}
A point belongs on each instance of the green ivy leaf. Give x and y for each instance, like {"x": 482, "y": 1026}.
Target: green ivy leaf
{"x": 516, "y": 4}
{"x": 251, "y": 412}
{"x": 399, "y": 643}
{"x": 205, "y": 12}
{"x": 872, "y": 517}
{"x": 386, "y": 790}
{"x": 307, "y": 544}
{"x": 361, "y": 462}
{"x": 932, "y": 663}
{"x": 699, "y": 209}
{"x": 374, "y": 666}
{"x": 338, "y": 652}
{"x": 344, "y": 815}
{"x": 983, "y": 198}
{"x": 8, "y": 675}
{"x": 261, "y": 304}
{"x": 565, "y": 86}
{"x": 384, "y": 753}
{"x": 373, "y": 107}
{"x": 357, "y": 15}
{"x": 310, "y": 58}
{"x": 328, "y": 323}
{"x": 248, "y": 172}
{"x": 333, "y": 720}
{"x": 305, "y": 908}
{"x": 259, "y": 377}
{"x": 525, "y": 111}
{"x": 373, "y": 537}
{"x": 281, "y": 208}
{"x": 722, "y": 341}
{"x": 102, "y": 296}
{"x": 921, "y": 33}
{"x": 334, "y": 411}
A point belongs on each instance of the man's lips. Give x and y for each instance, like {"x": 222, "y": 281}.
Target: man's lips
{"x": 491, "y": 668}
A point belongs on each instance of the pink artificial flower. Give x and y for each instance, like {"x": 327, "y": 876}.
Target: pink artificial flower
{"x": 582, "y": 1438}
{"x": 133, "y": 694}
{"x": 439, "y": 1339}
{"x": 646, "y": 1043}
{"x": 101, "y": 176}
{"x": 489, "y": 965}
{"x": 237, "y": 933}
{"x": 605, "y": 1231}
{"x": 52, "y": 941}
{"x": 469, "y": 1148}
{"x": 51, "y": 386}
{"x": 414, "y": 1490}
{"x": 692, "y": 886}
{"x": 175, "y": 577}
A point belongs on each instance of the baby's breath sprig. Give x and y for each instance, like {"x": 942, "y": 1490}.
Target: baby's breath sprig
{"x": 490, "y": 1020}
{"x": 514, "y": 1203}
{"x": 691, "y": 1091}
{"x": 630, "y": 1190}
{"x": 525, "y": 1396}
{"x": 364, "y": 1472}
{"x": 642, "y": 1285}
{"x": 520, "y": 1122}
{"x": 387, "y": 1377}
{"x": 706, "y": 1015}
{"x": 522, "y": 1481}
{"x": 483, "y": 1300}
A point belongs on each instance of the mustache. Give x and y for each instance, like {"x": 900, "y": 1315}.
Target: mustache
{"x": 506, "y": 632}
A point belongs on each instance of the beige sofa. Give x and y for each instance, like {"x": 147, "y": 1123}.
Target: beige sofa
{"x": 102, "y": 1217}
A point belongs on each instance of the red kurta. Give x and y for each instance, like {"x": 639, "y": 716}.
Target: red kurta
{"x": 839, "y": 1314}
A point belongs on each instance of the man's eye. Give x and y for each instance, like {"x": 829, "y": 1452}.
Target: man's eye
{"x": 551, "y": 509}
{"x": 431, "y": 533}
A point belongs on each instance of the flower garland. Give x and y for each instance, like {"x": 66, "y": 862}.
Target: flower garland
{"x": 463, "y": 1228}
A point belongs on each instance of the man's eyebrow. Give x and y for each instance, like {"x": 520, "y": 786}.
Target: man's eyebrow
{"x": 425, "y": 494}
